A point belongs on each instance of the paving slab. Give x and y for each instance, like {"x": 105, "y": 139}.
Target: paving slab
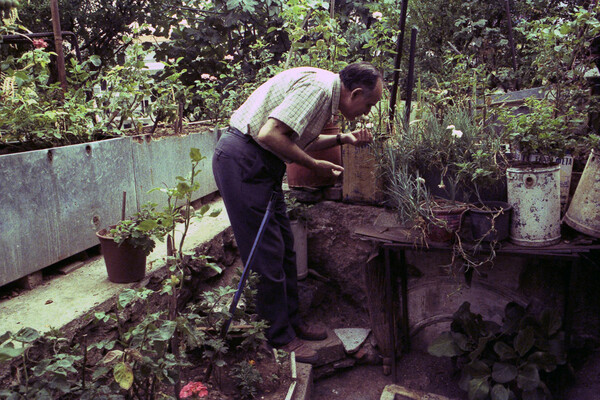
{"x": 352, "y": 338}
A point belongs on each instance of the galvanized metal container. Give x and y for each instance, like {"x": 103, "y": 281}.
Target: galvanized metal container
{"x": 534, "y": 194}
{"x": 583, "y": 214}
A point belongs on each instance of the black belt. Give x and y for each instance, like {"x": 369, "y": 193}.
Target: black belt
{"x": 237, "y": 132}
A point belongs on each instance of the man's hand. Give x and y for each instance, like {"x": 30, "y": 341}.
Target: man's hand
{"x": 359, "y": 138}
{"x": 326, "y": 168}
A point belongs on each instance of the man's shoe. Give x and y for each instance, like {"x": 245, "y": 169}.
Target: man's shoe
{"x": 304, "y": 353}
{"x": 308, "y": 332}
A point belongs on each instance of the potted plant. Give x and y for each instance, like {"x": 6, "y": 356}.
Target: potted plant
{"x": 126, "y": 245}
{"x": 441, "y": 162}
{"x": 537, "y": 138}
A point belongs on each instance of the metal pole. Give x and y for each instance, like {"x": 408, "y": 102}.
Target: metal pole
{"x": 512, "y": 42}
{"x": 398, "y": 59}
{"x": 58, "y": 45}
{"x": 411, "y": 72}
{"x": 244, "y": 277}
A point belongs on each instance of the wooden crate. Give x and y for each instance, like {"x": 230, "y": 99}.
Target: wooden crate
{"x": 361, "y": 180}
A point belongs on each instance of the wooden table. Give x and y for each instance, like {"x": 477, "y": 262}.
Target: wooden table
{"x": 398, "y": 240}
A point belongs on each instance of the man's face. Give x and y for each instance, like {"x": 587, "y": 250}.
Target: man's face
{"x": 359, "y": 101}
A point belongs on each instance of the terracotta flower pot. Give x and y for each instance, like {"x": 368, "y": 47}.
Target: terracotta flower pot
{"x": 299, "y": 176}
{"x": 124, "y": 263}
{"x": 445, "y": 220}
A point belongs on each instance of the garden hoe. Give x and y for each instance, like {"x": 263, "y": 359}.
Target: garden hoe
{"x": 247, "y": 268}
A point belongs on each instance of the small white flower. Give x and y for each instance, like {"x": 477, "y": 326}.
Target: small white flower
{"x": 456, "y": 133}
{"x": 228, "y": 57}
{"x": 377, "y": 15}
{"x": 205, "y": 76}
{"x": 420, "y": 180}
{"x": 442, "y": 186}
{"x": 429, "y": 53}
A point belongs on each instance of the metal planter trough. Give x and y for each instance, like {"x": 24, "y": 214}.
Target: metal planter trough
{"x": 54, "y": 200}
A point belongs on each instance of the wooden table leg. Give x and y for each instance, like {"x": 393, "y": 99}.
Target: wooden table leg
{"x": 404, "y": 297}
{"x": 390, "y": 312}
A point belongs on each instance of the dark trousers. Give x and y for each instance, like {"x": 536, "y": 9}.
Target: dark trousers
{"x": 246, "y": 176}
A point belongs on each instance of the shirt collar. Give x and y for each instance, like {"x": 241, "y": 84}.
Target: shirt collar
{"x": 335, "y": 95}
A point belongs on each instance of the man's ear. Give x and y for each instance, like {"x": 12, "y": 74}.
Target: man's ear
{"x": 356, "y": 92}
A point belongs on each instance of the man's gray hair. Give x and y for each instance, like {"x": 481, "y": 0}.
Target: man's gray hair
{"x": 361, "y": 74}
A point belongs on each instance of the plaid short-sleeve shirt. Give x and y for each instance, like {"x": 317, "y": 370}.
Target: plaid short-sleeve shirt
{"x": 304, "y": 99}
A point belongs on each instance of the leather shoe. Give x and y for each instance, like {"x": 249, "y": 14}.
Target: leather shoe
{"x": 304, "y": 353}
{"x": 310, "y": 332}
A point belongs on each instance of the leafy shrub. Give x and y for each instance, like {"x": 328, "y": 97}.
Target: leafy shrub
{"x": 515, "y": 360}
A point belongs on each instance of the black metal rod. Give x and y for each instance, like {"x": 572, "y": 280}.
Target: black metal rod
{"x": 511, "y": 42}
{"x": 244, "y": 277}
{"x": 398, "y": 59}
{"x": 410, "y": 81}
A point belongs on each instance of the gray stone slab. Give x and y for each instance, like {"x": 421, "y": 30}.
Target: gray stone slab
{"x": 329, "y": 350}
{"x": 352, "y": 338}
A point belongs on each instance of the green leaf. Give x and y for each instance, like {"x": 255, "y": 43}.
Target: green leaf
{"x": 524, "y": 341}
{"x": 550, "y": 321}
{"x": 147, "y": 225}
{"x": 112, "y": 356}
{"x": 528, "y": 378}
{"x": 123, "y": 374}
{"x": 543, "y": 360}
{"x": 478, "y": 369}
{"x": 27, "y": 335}
{"x": 444, "y": 346}
{"x": 499, "y": 392}
{"x": 504, "y": 351}
{"x": 165, "y": 332}
{"x": 126, "y": 297}
{"x": 8, "y": 353}
{"x": 503, "y": 372}
{"x": 195, "y": 155}
{"x": 96, "y": 60}
{"x": 479, "y": 389}
{"x": 204, "y": 209}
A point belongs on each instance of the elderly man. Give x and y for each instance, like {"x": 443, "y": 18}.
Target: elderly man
{"x": 275, "y": 125}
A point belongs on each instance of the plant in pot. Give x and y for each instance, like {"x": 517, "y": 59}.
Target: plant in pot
{"x": 126, "y": 245}
{"x": 533, "y": 178}
{"x": 489, "y": 214}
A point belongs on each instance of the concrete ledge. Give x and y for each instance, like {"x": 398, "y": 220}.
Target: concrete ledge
{"x": 67, "y": 298}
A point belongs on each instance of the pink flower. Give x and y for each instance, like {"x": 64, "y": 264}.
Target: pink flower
{"x": 228, "y": 57}
{"x": 212, "y": 78}
{"x": 205, "y": 76}
{"x": 39, "y": 43}
{"x": 193, "y": 389}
